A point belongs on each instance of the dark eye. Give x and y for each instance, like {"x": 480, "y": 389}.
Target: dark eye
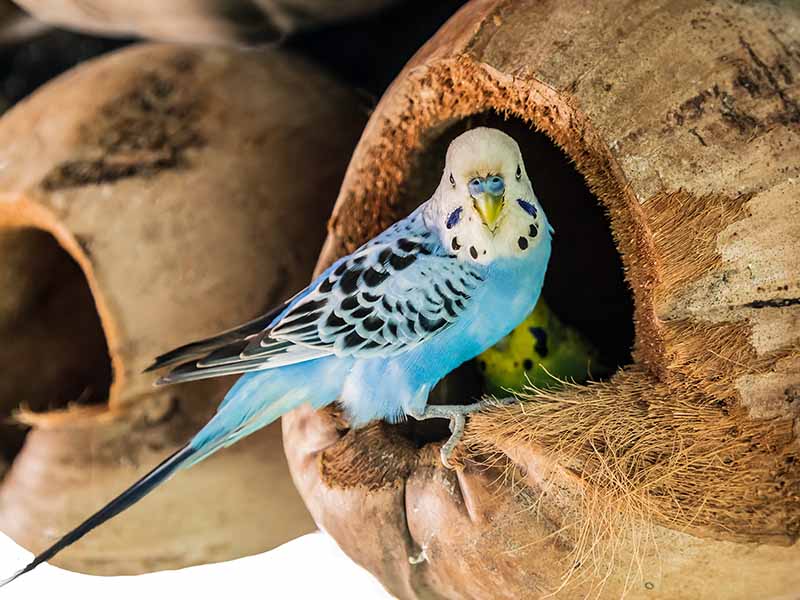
{"x": 519, "y": 172}
{"x": 452, "y": 181}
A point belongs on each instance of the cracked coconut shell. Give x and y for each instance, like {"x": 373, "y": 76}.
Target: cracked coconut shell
{"x": 678, "y": 477}
{"x": 153, "y": 196}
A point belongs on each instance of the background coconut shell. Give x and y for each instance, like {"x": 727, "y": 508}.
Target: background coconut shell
{"x": 147, "y": 198}
{"x": 15, "y": 24}
{"x": 200, "y": 21}
{"x": 683, "y": 469}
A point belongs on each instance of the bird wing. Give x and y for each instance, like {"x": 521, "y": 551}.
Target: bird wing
{"x": 393, "y": 293}
{"x": 201, "y": 348}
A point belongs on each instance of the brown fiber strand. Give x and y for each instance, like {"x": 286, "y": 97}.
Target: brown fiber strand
{"x": 656, "y": 453}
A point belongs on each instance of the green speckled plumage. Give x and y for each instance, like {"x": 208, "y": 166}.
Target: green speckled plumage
{"x": 540, "y": 351}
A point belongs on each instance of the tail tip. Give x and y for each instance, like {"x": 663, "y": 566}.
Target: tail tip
{"x": 20, "y": 573}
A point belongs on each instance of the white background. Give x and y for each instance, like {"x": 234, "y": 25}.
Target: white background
{"x": 312, "y": 566}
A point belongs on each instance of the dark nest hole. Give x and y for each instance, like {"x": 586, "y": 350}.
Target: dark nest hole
{"x": 53, "y": 351}
{"x": 585, "y": 284}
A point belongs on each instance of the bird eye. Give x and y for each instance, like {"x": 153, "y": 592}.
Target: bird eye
{"x": 452, "y": 180}
{"x": 519, "y": 172}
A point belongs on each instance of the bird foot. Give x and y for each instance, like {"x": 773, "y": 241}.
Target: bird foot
{"x": 457, "y": 416}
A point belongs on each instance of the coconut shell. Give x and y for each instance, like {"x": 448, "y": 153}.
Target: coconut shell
{"x": 679, "y": 476}
{"x": 200, "y": 21}
{"x": 150, "y": 197}
{"x": 15, "y": 25}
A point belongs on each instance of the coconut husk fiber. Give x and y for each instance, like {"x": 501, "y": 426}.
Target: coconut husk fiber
{"x": 661, "y": 138}
{"x": 153, "y": 196}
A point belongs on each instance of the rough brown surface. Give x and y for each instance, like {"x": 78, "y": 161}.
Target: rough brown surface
{"x": 678, "y": 477}
{"x": 151, "y": 197}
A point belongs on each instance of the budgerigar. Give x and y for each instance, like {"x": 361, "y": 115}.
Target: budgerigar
{"x": 379, "y": 328}
{"x": 542, "y": 352}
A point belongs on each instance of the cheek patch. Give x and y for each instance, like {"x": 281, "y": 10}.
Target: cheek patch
{"x": 527, "y": 207}
{"x": 454, "y": 218}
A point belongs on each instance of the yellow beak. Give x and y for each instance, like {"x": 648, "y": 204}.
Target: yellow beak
{"x": 489, "y": 208}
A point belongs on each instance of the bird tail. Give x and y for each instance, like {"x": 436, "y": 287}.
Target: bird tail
{"x": 125, "y": 500}
{"x": 256, "y": 400}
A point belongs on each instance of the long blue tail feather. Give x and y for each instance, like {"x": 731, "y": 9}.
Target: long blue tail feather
{"x": 125, "y": 500}
{"x": 256, "y": 400}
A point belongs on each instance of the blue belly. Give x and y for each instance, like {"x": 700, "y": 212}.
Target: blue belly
{"x": 390, "y": 388}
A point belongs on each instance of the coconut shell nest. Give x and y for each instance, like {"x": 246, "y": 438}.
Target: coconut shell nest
{"x": 155, "y": 195}
{"x": 679, "y": 476}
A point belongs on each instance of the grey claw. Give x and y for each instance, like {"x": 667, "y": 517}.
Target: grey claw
{"x": 457, "y": 417}
{"x": 457, "y": 423}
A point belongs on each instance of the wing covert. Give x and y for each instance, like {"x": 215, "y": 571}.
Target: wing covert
{"x": 392, "y": 294}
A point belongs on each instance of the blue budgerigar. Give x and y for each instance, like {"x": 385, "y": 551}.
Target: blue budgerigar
{"x": 379, "y": 328}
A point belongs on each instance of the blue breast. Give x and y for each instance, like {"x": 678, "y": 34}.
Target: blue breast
{"x": 508, "y": 295}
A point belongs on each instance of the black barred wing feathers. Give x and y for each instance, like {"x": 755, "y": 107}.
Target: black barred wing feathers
{"x": 387, "y": 297}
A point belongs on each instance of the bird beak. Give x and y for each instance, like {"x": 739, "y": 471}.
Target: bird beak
{"x": 489, "y": 207}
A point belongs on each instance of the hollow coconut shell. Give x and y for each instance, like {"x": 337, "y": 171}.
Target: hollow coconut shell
{"x": 151, "y": 197}
{"x": 679, "y": 476}
{"x": 200, "y": 21}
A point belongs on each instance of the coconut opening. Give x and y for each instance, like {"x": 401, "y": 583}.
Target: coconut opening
{"x": 54, "y": 352}
{"x": 585, "y": 284}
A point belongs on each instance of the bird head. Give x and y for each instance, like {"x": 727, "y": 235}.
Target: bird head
{"x": 484, "y": 207}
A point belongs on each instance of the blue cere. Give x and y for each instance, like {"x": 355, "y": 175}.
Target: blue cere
{"x": 454, "y": 218}
{"x": 495, "y": 185}
{"x": 475, "y": 186}
{"x": 527, "y": 207}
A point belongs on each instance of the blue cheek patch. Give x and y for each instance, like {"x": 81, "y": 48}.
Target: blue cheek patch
{"x": 454, "y": 218}
{"x": 527, "y": 207}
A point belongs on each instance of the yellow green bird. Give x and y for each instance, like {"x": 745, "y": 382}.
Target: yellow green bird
{"x": 540, "y": 351}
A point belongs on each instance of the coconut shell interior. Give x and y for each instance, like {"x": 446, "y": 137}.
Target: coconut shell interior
{"x": 55, "y": 353}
